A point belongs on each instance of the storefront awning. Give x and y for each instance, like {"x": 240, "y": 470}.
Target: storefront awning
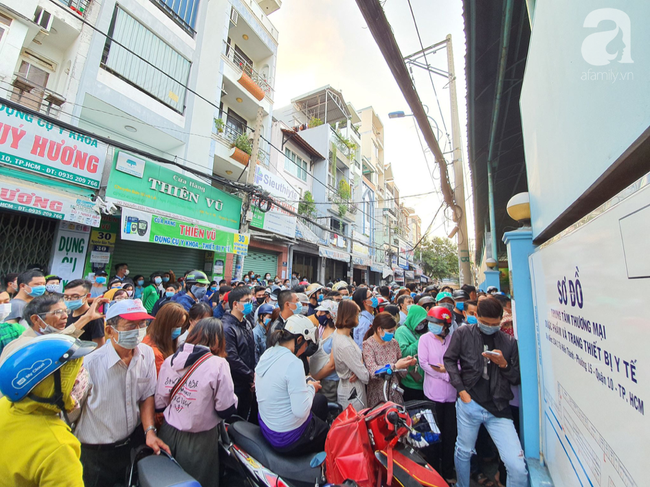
{"x": 333, "y": 254}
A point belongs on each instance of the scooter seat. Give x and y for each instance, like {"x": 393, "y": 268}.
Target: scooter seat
{"x": 295, "y": 468}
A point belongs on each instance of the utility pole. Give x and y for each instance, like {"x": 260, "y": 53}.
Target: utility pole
{"x": 247, "y": 215}
{"x": 459, "y": 180}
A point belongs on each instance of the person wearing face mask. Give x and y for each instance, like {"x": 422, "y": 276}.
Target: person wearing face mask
{"x": 170, "y": 290}
{"x": 138, "y": 282}
{"x": 408, "y": 337}
{"x": 460, "y": 297}
{"x": 437, "y": 388}
{"x": 99, "y": 285}
{"x": 8, "y": 331}
{"x": 31, "y": 284}
{"x": 446, "y": 300}
{"x": 264, "y": 313}
{"x": 163, "y": 332}
{"x": 405, "y": 301}
{"x": 368, "y": 305}
{"x": 192, "y": 432}
{"x": 76, "y": 296}
{"x": 151, "y": 294}
{"x": 121, "y": 271}
{"x": 38, "y": 447}
{"x": 292, "y": 416}
{"x": 53, "y": 284}
{"x": 220, "y": 308}
{"x": 46, "y": 315}
{"x": 240, "y": 347}
{"x": 196, "y": 287}
{"x": 315, "y": 294}
{"x": 289, "y": 304}
{"x": 483, "y": 363}
{"x": 197, "y": 312}
{"x": 168, "y": 277}
{"x": 259, "y": 297}
{"x": 321, "y": 364}
{"x": 469, "y": 312}
{"x": 119, "y": 411}
{"x": 10, "y": 283}
{"x": 379, "y": 349}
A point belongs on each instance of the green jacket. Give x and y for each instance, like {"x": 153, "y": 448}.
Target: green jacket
{"x": 149, "y": 297}
{"x": 408, "y": 343}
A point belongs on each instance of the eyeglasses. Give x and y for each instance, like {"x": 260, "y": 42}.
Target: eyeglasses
{"x": 57, "y": 312}
{"x": 72, "y": 297}
{"x": 133, "y": 326}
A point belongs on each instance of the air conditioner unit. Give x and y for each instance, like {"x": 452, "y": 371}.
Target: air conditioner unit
{"x": 234, "y": 16}
{"x": 43, "y": 18}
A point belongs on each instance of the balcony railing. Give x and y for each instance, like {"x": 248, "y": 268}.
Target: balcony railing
{"x": 246, "y": 67}
{"x": 229, "y": 134}
{"x": 355, "y": 130}
{"x": 36, "y": 97}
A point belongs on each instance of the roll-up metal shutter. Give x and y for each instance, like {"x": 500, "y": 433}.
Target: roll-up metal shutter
{"x": 261, "y": 262}
{"x": 145, "y": 258}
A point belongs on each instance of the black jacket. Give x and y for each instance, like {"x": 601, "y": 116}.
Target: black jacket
{"x": 240, "y": 347}
{"x": 465, "y": 349}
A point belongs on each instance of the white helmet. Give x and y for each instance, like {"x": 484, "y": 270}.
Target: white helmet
{"x": 301, "y": 325}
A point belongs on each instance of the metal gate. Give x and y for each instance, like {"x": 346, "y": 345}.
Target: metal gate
{"x": 145, "y": 258}
{"x": 26, "y": 240}
{"x": 261, "y": 262}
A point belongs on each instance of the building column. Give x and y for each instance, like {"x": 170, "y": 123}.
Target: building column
{"x": 492, "y": 278}
{"x": 520, "y": 246}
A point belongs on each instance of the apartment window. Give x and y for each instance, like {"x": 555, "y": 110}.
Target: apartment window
{"x": 139, "y": 40}
{"x": 35, "y": 76}
{"x": 294, "y": 164}
{"x": 183, "y": 12}
{"x": 5, "y": 22}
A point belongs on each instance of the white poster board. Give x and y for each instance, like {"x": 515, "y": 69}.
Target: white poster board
{"x": 70, "y": 247}
{"x": 593, "y": 334}
{"x": 277, "y": 220}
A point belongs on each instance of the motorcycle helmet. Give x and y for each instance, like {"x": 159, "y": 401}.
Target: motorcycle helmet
{"x": 196, "y": 276}
{"x": 265, "y": 309}
{"x": 313, "y": 288}
{"x": 339, "y": 285}
{"x": 492, "y": 290}
{"x": 439, "y": 315}
{"x": 426, "y": 302}
{"x": 299, "y": 325}
{"x": 41, "y": 357}
{"x": 444, "y": 295}
{"x": 460, "y": 295}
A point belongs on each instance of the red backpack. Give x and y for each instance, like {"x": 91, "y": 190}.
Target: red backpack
{"x": 349, "y": 452}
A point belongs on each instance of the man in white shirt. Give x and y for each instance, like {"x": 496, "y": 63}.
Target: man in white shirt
{"x": 119, "y": 412}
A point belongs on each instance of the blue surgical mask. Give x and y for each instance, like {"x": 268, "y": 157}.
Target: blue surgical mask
{"x": 198, "y": 292}
{"x": 130, "y": 339}
{"x": 248, "y": 308}
{"x": 214, "y": 288}
{"x": 36, "y": 291}
{"x": 460, "y": 305}
{"x": 408, "y": 307}
{"x": 471, "y": 320}
{"x": 374, "y": 302}
{"x": 320, "y": 298}
{"x": 487, "y": 329}
{"x": 246, "y": 279}
{"x": 157, "y": 280}
{"x": 267, "y": 321}
{"x": 176, "y": 332}
{"x": 298, "y": 309}
{"x": 100, "y": 280}
{"x": 169, "y": 294}
{"x": 387, "y": 337}
{"x": 140, "y": 282}
{"x": 435, "y": 328}
{"x": 413, "y": 295}
{"x": 76, "y": 304}
{"x": 165, "y": 279}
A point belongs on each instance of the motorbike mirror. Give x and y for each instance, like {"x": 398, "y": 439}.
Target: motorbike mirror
{"x": 393, "y": 417}
{"x": 318, "y": 459}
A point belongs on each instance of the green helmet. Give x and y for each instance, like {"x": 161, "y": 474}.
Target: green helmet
{"x": 196, "y": 276}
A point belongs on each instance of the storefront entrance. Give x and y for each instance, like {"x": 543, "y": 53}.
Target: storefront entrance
{"x": 26, "y": 240}
{"x": 261, "y": 262}
{"x": 306, "y": 265}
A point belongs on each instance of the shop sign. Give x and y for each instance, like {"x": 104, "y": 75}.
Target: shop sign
{"x": 375, "y": 268}
{"x": 147, "y": 186}
{"x": 36, "y": 145}
{"x": 102, "y": 244}
{"x": 399, "y": 275}
{"x": 277, "y": 219}
{"x": 409, "y": 274}
{"x": 40, "y": 200}
{"x": 141, "y": 226}
{"x": 361, "y": 260}
{"x": 70, "y": 247}
{"x": 360, "y": 248}
{"x": 333, "y": 254}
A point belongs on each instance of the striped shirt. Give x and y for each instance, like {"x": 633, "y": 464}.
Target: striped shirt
{"x": 112, "y": 411}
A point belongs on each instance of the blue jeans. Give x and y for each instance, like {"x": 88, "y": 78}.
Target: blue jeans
{"x": 470, "y": 416}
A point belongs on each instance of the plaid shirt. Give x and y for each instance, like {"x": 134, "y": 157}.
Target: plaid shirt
{"x": 9, "y": 332}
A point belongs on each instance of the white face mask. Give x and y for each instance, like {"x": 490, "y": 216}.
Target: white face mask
{"x": 126, "y": 272}
{"x": 5, "y": 309}
{"x": 48, "y": 328}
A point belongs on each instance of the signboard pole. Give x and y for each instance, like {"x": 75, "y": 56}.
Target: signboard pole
{"x": 250, "y": 178}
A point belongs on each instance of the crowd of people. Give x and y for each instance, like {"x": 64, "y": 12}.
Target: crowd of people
{"x": 96, "y": 368}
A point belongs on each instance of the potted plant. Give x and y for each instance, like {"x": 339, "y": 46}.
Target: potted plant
{"x": 315, "y": 122}
{"x": 219, "y": 125}
{"x": 242, "y": 149}
{"x": 343, "y": 193}
{"x": 307, "y": 206}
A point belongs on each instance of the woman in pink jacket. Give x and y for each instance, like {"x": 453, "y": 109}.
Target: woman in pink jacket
{"x": 194, "y": 406}
{"x": 437, "y": 388}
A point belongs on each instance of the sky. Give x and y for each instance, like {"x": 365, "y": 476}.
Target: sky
{"x": 327, "y": 42}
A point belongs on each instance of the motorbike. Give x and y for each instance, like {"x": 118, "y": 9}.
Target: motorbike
{"x": 149, "y": 470}
{"x": 393, "y": 444}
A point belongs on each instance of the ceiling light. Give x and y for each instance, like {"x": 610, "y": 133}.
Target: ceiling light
{"x": 239, "y": 100}
{"x": 245, "y": 37}
{"x": 130, "y": 128}
{"x": 53, "y": 31}
{"x": 228, "y": 173}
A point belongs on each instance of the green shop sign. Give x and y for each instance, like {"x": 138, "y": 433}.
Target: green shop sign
{"x": 146, "y": 186}
{"x": 141, "y": 226}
